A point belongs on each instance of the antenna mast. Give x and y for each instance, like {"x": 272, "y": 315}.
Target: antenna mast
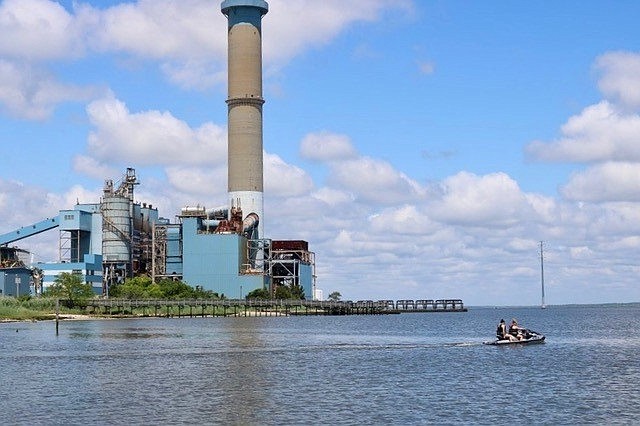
{"x": 542, "y": 272}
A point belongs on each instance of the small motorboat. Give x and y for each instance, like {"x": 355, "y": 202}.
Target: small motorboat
{"x": 529, "y": 337}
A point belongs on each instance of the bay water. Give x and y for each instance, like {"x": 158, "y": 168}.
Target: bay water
{"x": 412, "y": 368}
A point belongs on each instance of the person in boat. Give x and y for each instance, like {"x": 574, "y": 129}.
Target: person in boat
{"x": 515, "y": 330}
{"x": 502, "y": 334}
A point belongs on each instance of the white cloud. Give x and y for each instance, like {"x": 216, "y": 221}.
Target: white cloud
{"x": 32, "y": 93}
{"x": 327, "y": 146}
{"x": 151, "y": 137}
{"x": 332, "y": 196}
{"x": 611, "y": 181}
{"x": 162, "y": 29}
{"x": 375, "y": 181}
{"x": 38, "y": 30}
{"x": 78, "y": 194}
{"x": 403, "y": 220}
{"x": 197, "y": 75}
{"x": 89, "y": 166}
{"x": 34, "y": 202}
{"x": 296, "y": 26}
{"x": 544, "y": 208}
{"x": 198, "y": 182}
{"x": 599, "y": 133}
{"x": 608, "y": 130}
{"x": 284, "y": 180}
{"x": 490, "y": 200}
{"x": 186, "y": 38}
{"x": 620, "y": 80}
{"x": 581, "y": 252}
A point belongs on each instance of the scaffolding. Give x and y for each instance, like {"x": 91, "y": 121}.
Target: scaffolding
{"x": 161, "y": 254}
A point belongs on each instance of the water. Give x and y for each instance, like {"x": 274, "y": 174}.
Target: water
{"x": 395, "y": 369}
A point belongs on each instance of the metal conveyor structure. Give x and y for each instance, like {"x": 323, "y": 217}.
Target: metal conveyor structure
{"x": 29, "y": 231}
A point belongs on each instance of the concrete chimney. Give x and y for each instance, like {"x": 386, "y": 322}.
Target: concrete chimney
{"x": 244, "y": 101}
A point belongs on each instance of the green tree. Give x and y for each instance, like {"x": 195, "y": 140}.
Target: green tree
{"x": 297, "y": 292}
{"x": 70, "y": 287}
{"x": 132, "y": 288}
{"x": 259, "y": 293}
{"x": 176, "y": 289}
{"x": 201, "y": 293}
{"x": 155, "y": 292}
{"x": 282, "y": 292}
{"x": 335, "y": 296}
{"x": 141, "y": 287}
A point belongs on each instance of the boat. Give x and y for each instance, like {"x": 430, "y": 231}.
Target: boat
{"x": 531, "y": 337}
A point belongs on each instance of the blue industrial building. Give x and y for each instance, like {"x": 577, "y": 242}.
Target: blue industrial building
{"x": 15, "y": 277}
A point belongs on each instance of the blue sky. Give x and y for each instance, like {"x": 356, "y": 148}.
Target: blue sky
{"x": 423, "y": 148}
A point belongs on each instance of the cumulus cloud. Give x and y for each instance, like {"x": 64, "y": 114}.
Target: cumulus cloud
{"x": 620, "y": 77}
{"x": 403, "y": 220}
{"x": 38, "y": 30}
{"x": 376, "y": 181}
{"x": 162, "y": 29}
{"x": 151, "y": 137}
{"x": 198, "y": 181}
{"x": 22, "y": 204}
{"x": 284, "y": 180}
{"x": 468, "y": 199}
{"x": 32, "y": 93}
{"x": 89, "y": 166}
{"x": 194, "y": 74}
{"x": 327, "y": 146}
{"x": 605, "y": 135}
{"x": 611, "y": 181}
{"x": 184, "y": 37}
{"x": 297, "y": 26}
{"x": 332, "y": 196}
{"x": 600, "y": 133}
{"x": 366, "y": 179}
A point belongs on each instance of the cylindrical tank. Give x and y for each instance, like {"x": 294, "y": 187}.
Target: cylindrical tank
{"x": 116, "y": 229}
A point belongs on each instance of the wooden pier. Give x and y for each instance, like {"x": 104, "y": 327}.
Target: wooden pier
{"x": 254, "y": 307}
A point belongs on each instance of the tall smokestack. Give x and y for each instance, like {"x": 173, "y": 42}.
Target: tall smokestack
{"x": 245, "y": 101}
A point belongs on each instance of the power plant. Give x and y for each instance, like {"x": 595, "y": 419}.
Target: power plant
{"x": 220, "y": 249}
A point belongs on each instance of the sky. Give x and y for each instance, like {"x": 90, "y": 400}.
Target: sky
{"x": 423, "y": 148}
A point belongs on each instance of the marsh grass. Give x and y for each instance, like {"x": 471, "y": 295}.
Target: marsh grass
{"x": 24, "y": 309}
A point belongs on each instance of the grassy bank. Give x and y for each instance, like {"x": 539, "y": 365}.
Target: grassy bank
{"x": 29, "y": 309}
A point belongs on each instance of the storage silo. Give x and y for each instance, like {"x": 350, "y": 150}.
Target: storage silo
{"x": 117, "y": 230}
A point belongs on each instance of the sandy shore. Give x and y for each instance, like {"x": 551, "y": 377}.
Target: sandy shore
{"x": 77, "y": 317}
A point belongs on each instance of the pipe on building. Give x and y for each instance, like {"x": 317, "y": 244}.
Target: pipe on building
{"x": 250, "y": 223}
{"x": 210, "y": 223}
{"x": 217, "y": 212}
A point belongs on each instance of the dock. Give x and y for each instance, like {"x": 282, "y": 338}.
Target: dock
{"x": 254, "y": 307}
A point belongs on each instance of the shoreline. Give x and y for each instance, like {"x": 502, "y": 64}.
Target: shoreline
{"x": 88, "y": 317}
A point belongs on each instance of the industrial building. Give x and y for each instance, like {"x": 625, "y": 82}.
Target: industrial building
{"x": 222, "y": 249}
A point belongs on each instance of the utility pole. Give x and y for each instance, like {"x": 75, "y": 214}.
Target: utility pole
{"x": 542, "y": 272}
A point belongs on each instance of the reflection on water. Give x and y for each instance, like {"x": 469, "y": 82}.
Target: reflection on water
{"x": 243, "y": 377}
{"x": 396, "y": 369}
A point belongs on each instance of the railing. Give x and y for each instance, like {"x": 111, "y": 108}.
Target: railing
{"x": 258, "y": 307}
